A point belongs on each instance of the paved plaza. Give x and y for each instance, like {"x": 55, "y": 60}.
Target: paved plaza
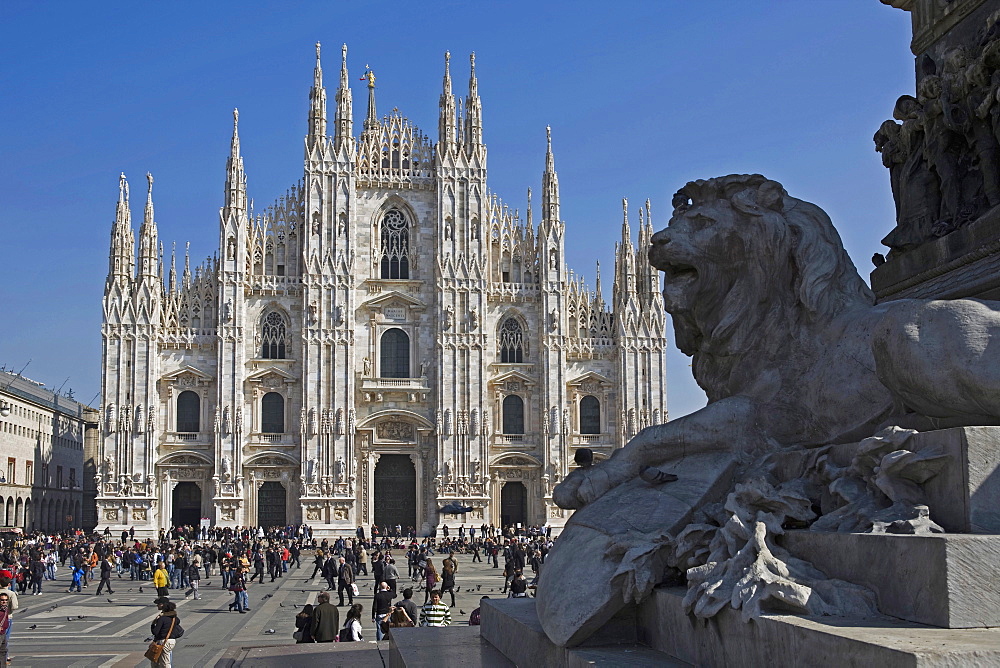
{"x": 58, "y": 629}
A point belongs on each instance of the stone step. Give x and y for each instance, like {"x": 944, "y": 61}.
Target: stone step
{"x": 946, "y": 580}
{"x": 819, "y": 642}
{"x": 512, "y": 626}
{"x": 448, "y": 646}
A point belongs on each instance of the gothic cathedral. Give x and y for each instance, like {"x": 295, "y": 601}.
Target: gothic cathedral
{"x": 386, "y": 339}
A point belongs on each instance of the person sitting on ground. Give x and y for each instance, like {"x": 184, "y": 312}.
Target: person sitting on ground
{"x": 434, "y": 612}
{"x": 352, "y": 625}
{"x": 476, "y": 616}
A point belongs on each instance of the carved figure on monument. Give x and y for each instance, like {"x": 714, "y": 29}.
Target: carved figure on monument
{"x": 816, "y": 347}
{"x": 227, "y": 469}
{"x": 367, "y": 364}
{"x": 423, "y": 368}
{"x": 339, "y": 422}
{"x": 474, "y": 318}
{"x": 449, "y": 471}
{"x": 124, "y": 486}
{"x": 110, "y": 419}
{"x": 108, "y": 465}
{"x": 227, "y": 311}
{"x": 449, "y": 317}
{"x": 477, "y": 467}
{"x": 351, "y": 420}
{"x": 339, "y": 469}
{"x": 239, "y": 420}
{"x": 225, "y": 420}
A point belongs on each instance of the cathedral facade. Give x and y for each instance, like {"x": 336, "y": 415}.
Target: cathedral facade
{"x": 388, "y": 338}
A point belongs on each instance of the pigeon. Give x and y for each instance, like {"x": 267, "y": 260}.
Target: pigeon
{"x": 149, "y": 639}
{"x": 140, "y": 590}
{"x": 53, "y": 607}
{"x": 266, "y": 596}
{"x": 270, "y": 631}
{"x": 81, "y": 616}
{"x": 33, "y": 626}
{"x": 478, "y": 587}
{"x": 461, "y": 612}
{"x": 69, "y": 619}
{"x": 111, "y": 600}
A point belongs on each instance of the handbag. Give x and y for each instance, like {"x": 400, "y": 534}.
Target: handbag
{"x": 297, "y": 635}
{"x": 155, "y": 648}
{"x": 354, "y": 588}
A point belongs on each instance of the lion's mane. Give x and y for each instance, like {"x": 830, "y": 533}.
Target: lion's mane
{"x": 793, "y": 279}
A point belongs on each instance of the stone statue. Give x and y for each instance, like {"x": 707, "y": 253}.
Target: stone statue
{"x": 477, "y": 467}
{"x": 339, "y": 470}
{"x": 813, "y": 363}
{"x": 367, "y": 367}
{"x": 227, "y": 468}
{"x": 423, "y": 368}
{"x": 312, "y": 469}
{"x": 124, "y": 486}
{"x": 227, "y": 311}
{"x": 474, "y": 318}
{"x": 449, "y": 470}
{"x": 108, "y": 465}
{"x": 449, "y": 317}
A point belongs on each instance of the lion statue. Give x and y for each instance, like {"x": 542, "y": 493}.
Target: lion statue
{"x": 793, "y": 353}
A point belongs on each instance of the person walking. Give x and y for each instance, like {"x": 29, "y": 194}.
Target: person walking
{"x": 345, "y": 582}
{"x": 430, "y": 579}
{"x": 161, "y": 580}
{"x": 238, "y": 585}
{"x": 5, "y": 611}
{"x": 303, "y": 624}
{"x": 381, "y": 608}
{"x": 389, "y": 574}
{"x": 434, "y": 612}
{"x": 448, "y": 579}
{"x": 194, "y": 578}
{"x": 318, "y": 560}
{"x": 326, "y": 619}
{"x": 77, "y": 579}
{"x": 166, "y": 629}
{"x": 106, "y": 568}
{"x": 36, "y": 570}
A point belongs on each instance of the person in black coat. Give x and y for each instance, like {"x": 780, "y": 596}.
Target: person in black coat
{"x": 304, "y": 623}
{"x": 106, "y": 568}
{"x": 345, "y": 580}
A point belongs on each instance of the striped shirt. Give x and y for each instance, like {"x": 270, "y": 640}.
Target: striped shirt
{"x": 435, "y": 615}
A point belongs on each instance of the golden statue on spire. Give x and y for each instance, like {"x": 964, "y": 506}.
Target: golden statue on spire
{"x": 370, "y": 76}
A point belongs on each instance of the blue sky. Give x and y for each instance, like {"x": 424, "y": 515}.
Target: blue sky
{"x": 641, "y": 96}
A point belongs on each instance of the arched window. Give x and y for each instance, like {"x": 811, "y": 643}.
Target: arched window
{"x": 272, "y": 337}
{"x": 510, "y": 340}
{"x": 188, "y": 411}
{"x": 395, "y": 241}
{"x": 590, "y": 415}
{"x": 272, "y": 413}
{"x": 395, "y": 354}
{"x": 513, "y": 414}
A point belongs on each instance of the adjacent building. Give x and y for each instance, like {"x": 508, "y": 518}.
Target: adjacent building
{"x": 42, "y": 436}
{"x": 387, "y": 338}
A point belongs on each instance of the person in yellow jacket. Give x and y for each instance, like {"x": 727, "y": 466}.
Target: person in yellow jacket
{"x": 161, "y": 580}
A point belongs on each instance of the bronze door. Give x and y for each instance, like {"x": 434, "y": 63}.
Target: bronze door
{"x": 395, "y": 491}
{"x": 271, "y": 505}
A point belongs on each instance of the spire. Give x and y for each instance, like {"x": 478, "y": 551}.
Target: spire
{"x": 236, "y": 179}
{"x": 120, "y": 267}
{"x": 186, "y": 278}
{"x": 345, "y": 114}
{"x": 599, "y": 290}
{"x": 317, "y": 101}
{"x": 529, "y": 223}
{"x": 446, "y": 117}
{"x": 626, "y": 230}
{"x": 371, "y": 120}
{"x": 473, "y": 110}
{"x": 173, "y": 267}
{"x": 148, "y": 237}
{"x": 550, "y": 183}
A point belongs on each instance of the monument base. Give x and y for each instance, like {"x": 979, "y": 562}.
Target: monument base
{"x": 667, "y": 636}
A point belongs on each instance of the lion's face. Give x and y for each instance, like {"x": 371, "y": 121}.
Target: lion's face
{"x": 699, "y": 252}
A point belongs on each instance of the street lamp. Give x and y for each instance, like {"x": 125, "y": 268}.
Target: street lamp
{"x": 4, "y": 408}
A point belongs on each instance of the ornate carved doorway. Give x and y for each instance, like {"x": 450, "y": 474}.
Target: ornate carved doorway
{"x": 186, "y": 504}
{"x": 513, "y": 504}
{"x": 395, "y": 491}
{"x": 271, "y": 505}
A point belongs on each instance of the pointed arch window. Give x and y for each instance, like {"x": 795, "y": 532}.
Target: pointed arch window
{"x": 395, "y": 243}
{"x": 510, "y": 341}
{"x": 272, "y": 337}
{"x": 513, "y": 414}
{"x": 395, "y": 354}
{"x": 590, "y": 415}
{"x": 188, "y": 412}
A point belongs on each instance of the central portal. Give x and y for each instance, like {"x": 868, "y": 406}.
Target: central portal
{"x": 187, "y": 505}
{"x": 271, "y": 505}
{"x": 513, "y": 504}
{"x": 395, "y": 491}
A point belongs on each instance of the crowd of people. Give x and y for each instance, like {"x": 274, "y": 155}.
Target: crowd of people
{"x": 179, "y": 560}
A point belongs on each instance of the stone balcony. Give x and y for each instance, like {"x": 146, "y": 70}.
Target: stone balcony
{"x": 258, "y": 440}
{"x": 376, "y": 389}
{"x": 189, "y": 439}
